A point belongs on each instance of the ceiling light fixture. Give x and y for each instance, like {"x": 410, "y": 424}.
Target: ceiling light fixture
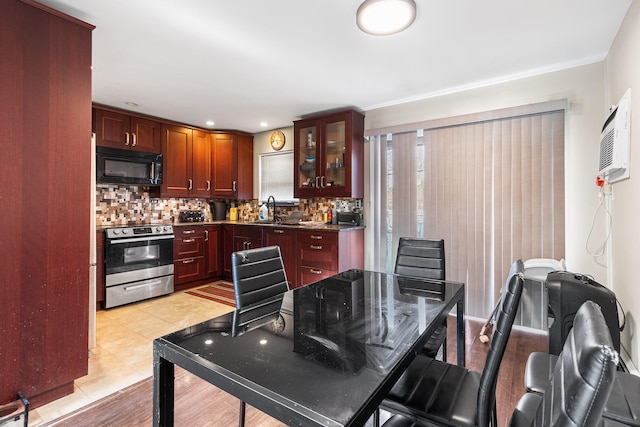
{"x": 210, "y": 123}
{"x": 385, "y": 17}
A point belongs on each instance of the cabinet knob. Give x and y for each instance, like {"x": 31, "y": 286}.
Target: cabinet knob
{"x": 279, "y": 231}
{"x": 314, "y": 271}
{"x": 188, "y": 261}
{"x": 126, "y": 139}
{"x": 190, "y": 184}
{"x": 135, "y": 140}
{"x": 315, "y": 237}
{"x": 234, "y": 186}
{"x": 208, "y": 185}
{"x": 316, "y": 247}
{"x": 188, "y": 240}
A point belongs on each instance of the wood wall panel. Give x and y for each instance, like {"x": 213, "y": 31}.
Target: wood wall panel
{"x": 46, "y": 113}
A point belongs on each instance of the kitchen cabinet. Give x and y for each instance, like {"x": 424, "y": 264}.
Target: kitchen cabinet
{"x": 188, "y": 254}
{"x": 285, "y": 238}
{"x": 321, "y": 254}
{"x": 45, "y": 117}
{"x": 232, "y": 159}
{"x": 227, "y": 250}
{"x": 120, "y": 130}
{"x": 187, "y": 162}
{"x": 212, "y": 250}
{"x": 329, "y": 156}
{"x": 246, "y": 237}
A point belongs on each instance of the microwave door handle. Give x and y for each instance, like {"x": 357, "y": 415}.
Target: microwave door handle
{"x": 153, "y": 171}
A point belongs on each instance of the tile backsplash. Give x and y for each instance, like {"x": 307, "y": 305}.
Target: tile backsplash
{"x": 120, "y": 205}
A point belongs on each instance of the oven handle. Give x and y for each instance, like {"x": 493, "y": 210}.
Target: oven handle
{"x": 143, "y": 285}
{"x": 138, "y": 239}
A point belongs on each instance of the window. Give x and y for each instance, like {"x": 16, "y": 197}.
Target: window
{"x": 491, "y": 187}
{"x": 276, "y": 177}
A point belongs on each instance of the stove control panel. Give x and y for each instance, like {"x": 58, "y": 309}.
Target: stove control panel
{"x": 151, "y": 230}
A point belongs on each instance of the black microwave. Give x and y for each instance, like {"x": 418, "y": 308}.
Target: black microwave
{"x": 117, "y": 166}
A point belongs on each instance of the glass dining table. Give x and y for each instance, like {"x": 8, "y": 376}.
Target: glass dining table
{"x": 326, "y": 355}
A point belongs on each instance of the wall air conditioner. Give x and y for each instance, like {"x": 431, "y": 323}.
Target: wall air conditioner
{"x": 615, "y": 141}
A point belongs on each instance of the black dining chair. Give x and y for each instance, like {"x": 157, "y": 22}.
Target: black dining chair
{"x": 259, "y": 281}
{"x": 432, "y": 392}
{"x": 582, "y": 379}
{"x": 424, "y": 258}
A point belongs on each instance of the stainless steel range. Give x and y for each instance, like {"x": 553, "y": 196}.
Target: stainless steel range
{"x": 138, "y": 263}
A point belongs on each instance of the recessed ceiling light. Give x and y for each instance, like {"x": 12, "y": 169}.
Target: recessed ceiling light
{"x": 209, "y": 123}
{"x": 385, "y": 17}
{"x": 264, "y": 124}
{"x": 132, "y": 104}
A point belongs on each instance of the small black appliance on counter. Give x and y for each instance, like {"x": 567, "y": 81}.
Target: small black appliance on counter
{"x": 352, "y": 218}
{"x": 191, "y": 216}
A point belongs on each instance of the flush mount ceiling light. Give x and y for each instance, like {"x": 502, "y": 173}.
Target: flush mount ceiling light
{"x": 384, "y": 17}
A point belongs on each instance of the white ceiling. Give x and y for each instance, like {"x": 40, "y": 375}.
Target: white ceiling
{"x": 242, "y": 62}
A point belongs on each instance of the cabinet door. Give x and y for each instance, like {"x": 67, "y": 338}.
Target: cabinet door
{"x": 112, "y": 129}
{"x": 286, "y": 239}
{"x": 225, "y": 163}
{"x": 306, "y": 159}
{"x": 212, "y": 250}
{"x": 227, "y": 237}
{"x": 145, "y": 135}
{"x": 177, "y": 148}
{"x": 201, "y": 168}
{"x": 329, "y": 153}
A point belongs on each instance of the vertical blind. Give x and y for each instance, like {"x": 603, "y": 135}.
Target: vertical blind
{"x": 276, "y": 178}
{"x": 492, "y": 189}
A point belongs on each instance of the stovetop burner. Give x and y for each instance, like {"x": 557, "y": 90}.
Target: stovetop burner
{"x": 191, "y": 216}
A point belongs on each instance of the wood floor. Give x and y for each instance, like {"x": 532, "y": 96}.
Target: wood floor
{"x": 199, "y": 404}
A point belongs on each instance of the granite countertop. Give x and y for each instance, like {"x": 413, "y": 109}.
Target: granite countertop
{"x": 302, "y": 226}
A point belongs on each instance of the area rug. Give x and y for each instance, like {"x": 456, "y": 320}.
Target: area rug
{"x": 221, "y": 292}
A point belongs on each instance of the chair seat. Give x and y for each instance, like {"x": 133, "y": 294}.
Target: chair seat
{"x": 538, "y": 370}
{"x": 400, "y": 421}
{"x": 437, "y": 391}
{"x": 526, "y": 409}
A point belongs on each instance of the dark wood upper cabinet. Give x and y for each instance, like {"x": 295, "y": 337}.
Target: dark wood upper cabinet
{"x": 329, "y": 156}
{"x": 119, "y": 130}
{"x": 187, "y": 162}
{"x": 232, "y": 159}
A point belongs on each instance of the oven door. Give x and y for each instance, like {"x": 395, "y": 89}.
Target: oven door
{"x": 137, "y": 258}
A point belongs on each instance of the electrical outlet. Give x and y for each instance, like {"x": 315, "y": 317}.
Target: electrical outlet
{"x": 358, "y": 204}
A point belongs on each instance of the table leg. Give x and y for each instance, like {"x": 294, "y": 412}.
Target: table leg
{"x": 163, "y": 391}
{"x": 460, "y": 323}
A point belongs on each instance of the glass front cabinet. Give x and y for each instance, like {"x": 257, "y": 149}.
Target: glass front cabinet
{"x": 329, "y": 156}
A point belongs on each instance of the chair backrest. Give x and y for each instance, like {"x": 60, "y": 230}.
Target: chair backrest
{"x": 584, "y": 374}
{"x": 420, "y": 258}
{"x": 505, "y": 315}
{"x": 258, "y": 276}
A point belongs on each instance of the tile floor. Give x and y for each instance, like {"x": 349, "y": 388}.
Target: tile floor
{"x": 123, "y": 355}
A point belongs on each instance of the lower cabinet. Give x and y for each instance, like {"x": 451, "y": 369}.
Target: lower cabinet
{"x": 246, "y": 237}
{"x": 203, "y": 252}
{"x": 196, "y": 253}
{"x": 212, "y": 250}
{"x": 188, "y": 254}
{"x": 321, "y": 254}
{"x": 285, "y": 238}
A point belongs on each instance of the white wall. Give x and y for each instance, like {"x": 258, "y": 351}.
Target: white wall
{"x": 584, "y": 88}
{"x": 261, "y": 144}
{"x": 622, "y": 71}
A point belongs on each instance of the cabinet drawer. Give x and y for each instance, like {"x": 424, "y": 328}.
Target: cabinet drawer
{"x": 186, "y": 232}
{"x": 317, "y": 237}
{"x": 308, "y": 275}
{"x": 188, "y": 247}
{"x": 188, "y": 270}
{"x": 318, "y": 254}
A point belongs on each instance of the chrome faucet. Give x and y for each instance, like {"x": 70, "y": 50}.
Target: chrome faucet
{"x": 270, "y": 198}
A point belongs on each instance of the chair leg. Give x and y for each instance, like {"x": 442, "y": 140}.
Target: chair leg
{"x": 376, "y": 418}
{"x": 241, "y": 416}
